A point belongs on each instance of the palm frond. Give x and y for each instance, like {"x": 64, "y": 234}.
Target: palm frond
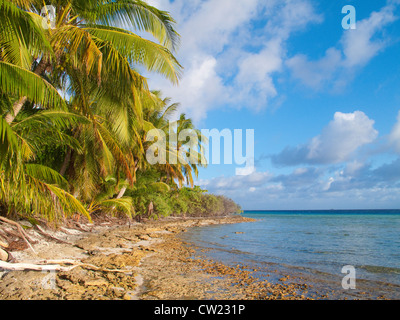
{"x": 24, "y": 83}
{"x": 69, "y": 202}
{"x": 45, "y": 174}
{"x": 59, "y": 119}
{"x": 170, "y": 110}
{"x": 139, "y": 15}
{"x": 138, "y": 50}
{"x": 161, "y": 186}
{"x": 8, "y": 140}
{"x": 124, "y": 205}
{"x": 117, "y": 151}
{"x": 20, "y": 26}
{"x": 82, "y": 49}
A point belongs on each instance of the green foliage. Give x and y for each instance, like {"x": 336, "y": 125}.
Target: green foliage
{"x": 191, "y": 202}
{"x": 75, "y": 113}
{"x": 18, "y": 81}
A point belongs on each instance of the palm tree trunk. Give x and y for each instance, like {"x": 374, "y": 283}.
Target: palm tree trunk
{"x": 41, "y": 67}
{"x": 122, "y": 192}
{"x": 66, "y": 162}
{"x": 16, "y": 109}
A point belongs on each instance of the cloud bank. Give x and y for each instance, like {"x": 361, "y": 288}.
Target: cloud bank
{"x": 232, "y": 53}
{"x": 343, "y": 136}
{"x": 240, "y": 56}
{"x": 329, "y": 171}
{"x": 235, "y": 55}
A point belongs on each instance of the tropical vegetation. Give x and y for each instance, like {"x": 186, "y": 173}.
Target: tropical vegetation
{"x": 75, "y": 111}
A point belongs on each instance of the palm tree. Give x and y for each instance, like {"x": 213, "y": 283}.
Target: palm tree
{"x": 107, "y": 56}
{"x": 21, "y": 39}
{"x": 180, "y": 164}
{"x": 87, "y": 57}
{"x": 191, "y": 155}
{"x": 27, "y": 187}
{"x": 86, "y": 38}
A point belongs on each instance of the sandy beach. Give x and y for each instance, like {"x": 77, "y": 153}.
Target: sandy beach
{"x": 134, "y": 261}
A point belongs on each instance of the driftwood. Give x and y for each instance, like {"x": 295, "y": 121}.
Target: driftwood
{"x": 3, "y": 255}
{"x": 46, "y": 235}
{"x": 54, "y": 265}
{"x": 3, "y": 244}
{"x": 27, "y": 266}
{"x": 23, "y": 234}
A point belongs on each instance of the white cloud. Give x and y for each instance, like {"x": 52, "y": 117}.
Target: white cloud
{"x": 234, "y": 51}
{"x": 227, "y": 60}
{"x": 201, "y": 88}
{"x": 359, "y": 46}
{"x": 355, "y": 49}
{"x": 353, "y": 185}
{"x": 353, "y": 167}
{"x": 254, "y": 78}
{"x": 291, "y": 16}
{"x": 337, "y": 143}
{"x": 315, "y": 73}
{"x": 222, "y": 184}
{"x": 342, "y": 137}
{"x": 210, "y": 26}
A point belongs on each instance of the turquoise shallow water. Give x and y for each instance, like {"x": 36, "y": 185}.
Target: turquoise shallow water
{"x": 315, "y": 244}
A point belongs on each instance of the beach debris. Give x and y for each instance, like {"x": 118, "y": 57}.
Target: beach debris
{"x": 99, "y": 272}
{"x": 55, "y": 265}
{"x": 21, "y": 231}
{"x": 48, "y": 236}
{"x": 3, "y": 255}
{"x": 3, "y": 244}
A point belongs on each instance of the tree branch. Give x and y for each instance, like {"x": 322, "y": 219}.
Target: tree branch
{"x": 23, "y": 234}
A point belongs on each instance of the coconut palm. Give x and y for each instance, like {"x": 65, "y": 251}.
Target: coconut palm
{"x": 29, "y": 188}
{"x": 87, "y": 57}
{"x": 21, "y": 39}
{"x": 86, "y": 38}
{"x": 180, "y": 165}
{"x": 106, "y": 56}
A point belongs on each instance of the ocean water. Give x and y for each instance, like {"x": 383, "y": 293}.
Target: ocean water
{"x": 313, "y": 246}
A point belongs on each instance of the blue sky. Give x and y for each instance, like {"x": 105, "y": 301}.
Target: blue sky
{"x": 324, "y": 101}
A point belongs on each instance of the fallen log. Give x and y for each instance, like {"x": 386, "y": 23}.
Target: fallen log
{"x": 33, "y": 267}
{"x": 54, "y": 265}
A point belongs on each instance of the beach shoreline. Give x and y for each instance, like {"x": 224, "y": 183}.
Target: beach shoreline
{"x": 112, "y": 260}
{"x": 122, "y": 260}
